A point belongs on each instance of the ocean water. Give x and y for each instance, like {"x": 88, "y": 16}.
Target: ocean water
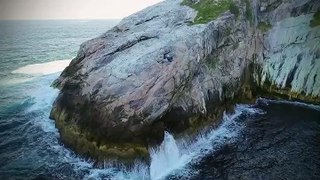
{"x": 266, "y": 140}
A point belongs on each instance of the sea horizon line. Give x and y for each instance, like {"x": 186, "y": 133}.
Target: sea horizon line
{"x": 91, "y": 19}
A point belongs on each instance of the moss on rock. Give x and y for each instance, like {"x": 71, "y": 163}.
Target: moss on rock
{"x": 264, "y": 26}
{"x": 234, "y": 9}
{"x": 269, "y": 90}
{"x": 248, "y": 12}
{"x": 209, "y": 10}
{"x": 316, "y": 20}
{"x": 85, "y": 143}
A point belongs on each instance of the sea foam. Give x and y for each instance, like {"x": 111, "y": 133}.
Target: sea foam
{"x": 43, "y": 68}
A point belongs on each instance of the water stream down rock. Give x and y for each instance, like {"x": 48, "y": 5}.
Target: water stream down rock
{"x": 157, "y": 71}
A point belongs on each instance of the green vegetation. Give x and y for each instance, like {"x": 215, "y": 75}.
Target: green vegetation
{"x": 248, "y": 13}
{"x": 316, "y": 20}
{"x": 211, "y": 62}
{"x": 234, "y": 9}
{"x": 209, "y": 10}
{"x": 264, "y": 27}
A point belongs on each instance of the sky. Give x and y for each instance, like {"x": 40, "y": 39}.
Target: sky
{"x": 71, "y": 9}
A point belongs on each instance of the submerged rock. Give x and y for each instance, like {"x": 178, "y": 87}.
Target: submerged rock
{"x": 155, "y": 71}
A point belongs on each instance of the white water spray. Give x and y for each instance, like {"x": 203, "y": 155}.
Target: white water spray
{"x": 173, "y": 156}
{"x": 165, "y": 158}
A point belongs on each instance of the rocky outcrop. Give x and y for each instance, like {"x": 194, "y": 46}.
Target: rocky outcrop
{"x": 290, "y": 65}
{"x": 156, "y": 70}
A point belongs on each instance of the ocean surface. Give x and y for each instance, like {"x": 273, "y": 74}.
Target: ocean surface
{"x": 266, "y": 140}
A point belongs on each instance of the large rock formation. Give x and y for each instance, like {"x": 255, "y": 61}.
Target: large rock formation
{"x": 157, "y": 70}
{"x": 291, "y": 61}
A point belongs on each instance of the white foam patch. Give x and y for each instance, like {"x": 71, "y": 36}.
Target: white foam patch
{"x": 43, "y": 96}
{"x": 44, "y": 68}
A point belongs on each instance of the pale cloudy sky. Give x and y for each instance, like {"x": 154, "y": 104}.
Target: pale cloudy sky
{"x": 71, "y": 9}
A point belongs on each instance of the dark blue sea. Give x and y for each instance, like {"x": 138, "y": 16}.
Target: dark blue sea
{"x": 266, "y": 140}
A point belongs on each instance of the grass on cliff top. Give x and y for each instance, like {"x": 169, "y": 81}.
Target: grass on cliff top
{"x": 209, "y": 10}
{"x": 316, "y": 20}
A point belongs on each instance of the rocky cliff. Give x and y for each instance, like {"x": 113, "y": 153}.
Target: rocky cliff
{"x": 290, "y": 62}
{"x": 177, "y": 65}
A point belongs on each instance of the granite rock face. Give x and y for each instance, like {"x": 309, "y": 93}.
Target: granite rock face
{"x": 155, "y": 71}
{"x": 291, "y": 64}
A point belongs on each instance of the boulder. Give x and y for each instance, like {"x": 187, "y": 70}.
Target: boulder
{"x": 153, "y": 71}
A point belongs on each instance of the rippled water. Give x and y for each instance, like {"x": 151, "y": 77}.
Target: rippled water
{"x": 267, "y": 140}
{"x": 32, "y": 42}
{"x": 281, "y": 143}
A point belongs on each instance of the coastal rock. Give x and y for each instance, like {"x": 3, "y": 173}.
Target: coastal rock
{"x": 157, "y": 70}
{"x": 153, "y": 71}
{"x": 290, "y": 67}
{"x": 291, "y": 63}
